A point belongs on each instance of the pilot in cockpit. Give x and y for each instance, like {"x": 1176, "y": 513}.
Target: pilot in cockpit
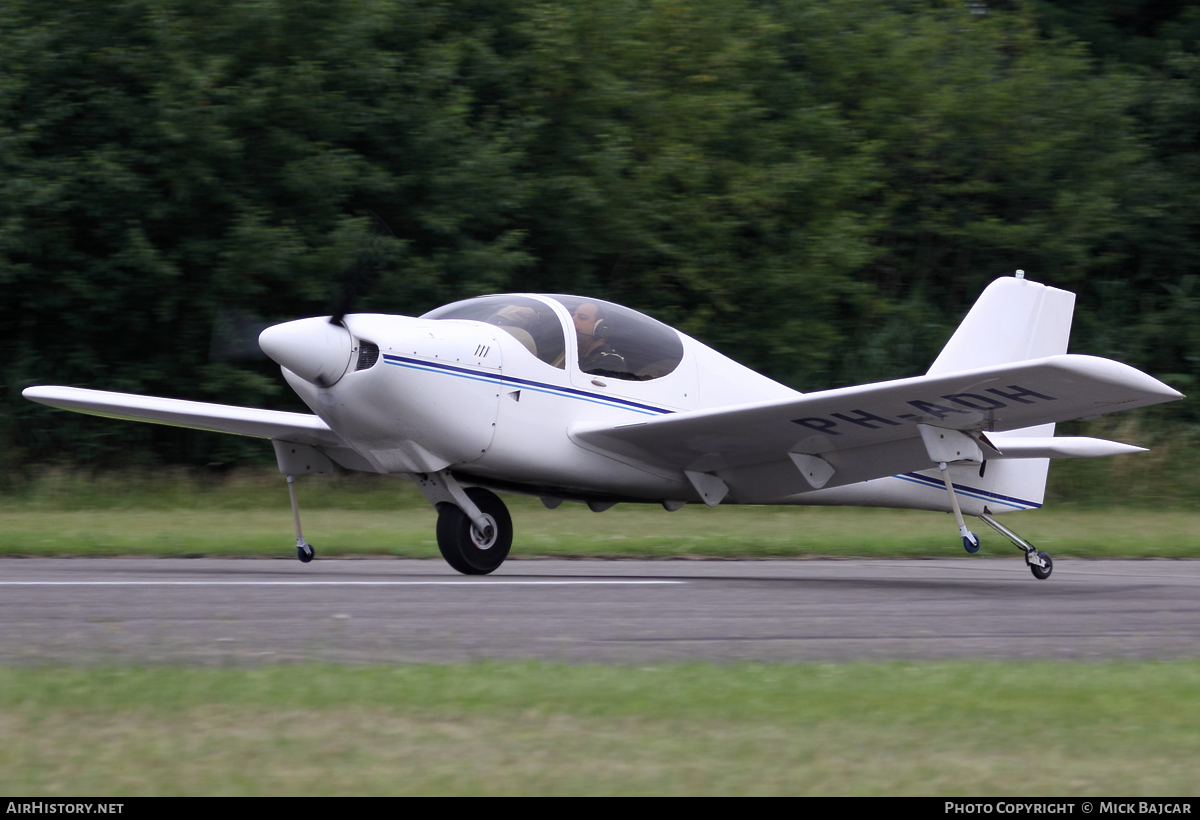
{"x": 596, "y": 357}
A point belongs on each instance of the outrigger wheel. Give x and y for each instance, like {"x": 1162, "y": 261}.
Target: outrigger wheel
{"x": 970, "y": 541}
{"x": 464, "y": 547}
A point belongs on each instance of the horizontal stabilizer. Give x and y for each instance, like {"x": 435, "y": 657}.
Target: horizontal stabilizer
{"x": 220, "y": 418}
{"x": 1062, "y": 447}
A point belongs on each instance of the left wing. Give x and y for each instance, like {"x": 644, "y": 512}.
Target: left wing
{"x": 301, "y": 428}
{"x": 870, "y": 431}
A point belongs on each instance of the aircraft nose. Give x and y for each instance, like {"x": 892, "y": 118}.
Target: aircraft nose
{"x": 313, "y": 349}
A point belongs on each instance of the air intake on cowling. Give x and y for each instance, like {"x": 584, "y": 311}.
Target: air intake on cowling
{"x": 368, "y": 354}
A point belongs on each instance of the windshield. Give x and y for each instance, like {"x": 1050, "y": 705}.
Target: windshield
{"x": 621, "y": 343}
{"x": 533, "y": 323}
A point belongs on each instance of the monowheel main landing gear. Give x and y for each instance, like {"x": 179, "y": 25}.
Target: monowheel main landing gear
{"x": 1039, "y": 563}
{"x": 467, "y": 547}
{"x": 474, "y": 530}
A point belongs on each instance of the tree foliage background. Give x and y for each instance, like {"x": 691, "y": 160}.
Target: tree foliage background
{"x": 818, "y": 188}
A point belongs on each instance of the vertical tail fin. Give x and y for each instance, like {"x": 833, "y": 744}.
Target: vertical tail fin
{"x": 1012, "y": 321}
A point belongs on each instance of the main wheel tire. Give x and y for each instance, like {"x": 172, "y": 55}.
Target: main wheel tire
{"x": 447, "y": 527}
{"x": 306, "y": 555}
{"x": 1042, "y": 573}
{"x": 465, "y": 548}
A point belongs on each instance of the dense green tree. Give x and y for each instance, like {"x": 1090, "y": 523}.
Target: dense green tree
{"x": 683, "y": 169}
{"x": 818, "y": 189}
{"x": 161, "y": 160}
{"x": 1140, "y": 307}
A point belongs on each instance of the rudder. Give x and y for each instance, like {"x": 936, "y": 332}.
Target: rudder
{"x": 1013, "y": 320}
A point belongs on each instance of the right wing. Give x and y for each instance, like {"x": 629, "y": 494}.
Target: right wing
{"x": 870, "y": 431}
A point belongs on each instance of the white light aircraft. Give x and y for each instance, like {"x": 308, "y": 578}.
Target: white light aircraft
{"x": 581, "y": 400}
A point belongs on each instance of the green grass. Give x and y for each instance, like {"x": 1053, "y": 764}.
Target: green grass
{"x": 962, "y": 728}
{"x": 645, "y": 532}
{"x": 249, "y": 515}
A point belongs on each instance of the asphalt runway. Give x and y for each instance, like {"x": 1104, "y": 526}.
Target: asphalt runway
{"x": 241, "y": 612}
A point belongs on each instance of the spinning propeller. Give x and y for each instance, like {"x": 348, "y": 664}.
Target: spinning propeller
{"x": 319, "y": 350}
{"x": 368, "y": 261}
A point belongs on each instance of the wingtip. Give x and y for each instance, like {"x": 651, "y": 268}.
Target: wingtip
{"x": 1123, "y": 374}
{"x": 1166, "y": 392}
{"x": 37, "y": 392}
{"x": 1152, "y": 384}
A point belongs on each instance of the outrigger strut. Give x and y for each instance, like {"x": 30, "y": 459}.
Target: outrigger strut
{"x": 300, "y": 459}
{"x": 303, "y": 549}
{"x": 945, "y": 446}
{"x": 970, "y": 540}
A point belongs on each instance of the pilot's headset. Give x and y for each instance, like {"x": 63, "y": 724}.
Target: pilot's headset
{"x": 602, "y": 327}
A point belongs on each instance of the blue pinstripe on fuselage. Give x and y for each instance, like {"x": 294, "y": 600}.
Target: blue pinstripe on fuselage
{"x": 970, "y": 492}
{"x": 524, "y": 384}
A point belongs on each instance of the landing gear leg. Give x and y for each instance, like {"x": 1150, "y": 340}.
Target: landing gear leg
{"x": 970, "y": 540}
{"x": 304, "y": 550}
{"x": 474, "y": 529}
{"x": 1039, "y": 563}
{"x": 465, "y": 546}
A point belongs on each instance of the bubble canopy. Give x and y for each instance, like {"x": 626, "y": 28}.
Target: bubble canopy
{"x": 624, "y": 344}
